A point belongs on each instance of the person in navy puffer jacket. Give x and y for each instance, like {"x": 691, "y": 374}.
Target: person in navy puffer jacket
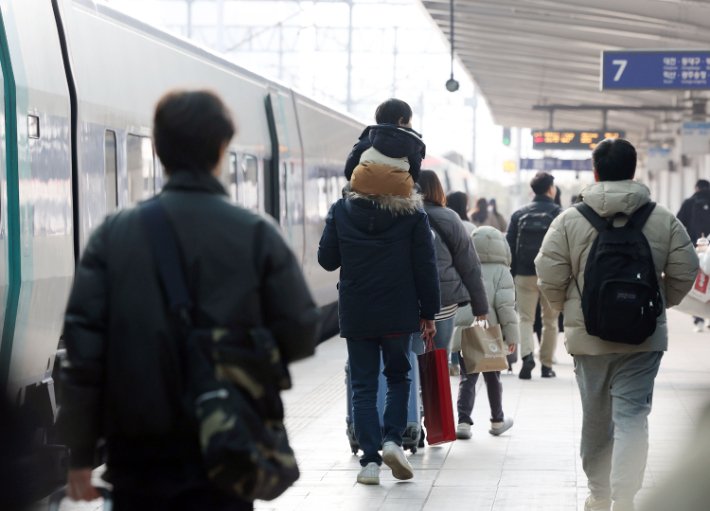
{"x": 388, "y": 290}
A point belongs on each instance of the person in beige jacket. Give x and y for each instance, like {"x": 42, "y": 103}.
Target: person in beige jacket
{"x": 615, "y": 379}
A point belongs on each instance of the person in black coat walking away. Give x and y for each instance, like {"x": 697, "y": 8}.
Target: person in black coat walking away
{"x": 388, "y": 290}
{"x": 694, "y": 214}
{"x": 123, "y": 378}
{"x": 526, "y": 230}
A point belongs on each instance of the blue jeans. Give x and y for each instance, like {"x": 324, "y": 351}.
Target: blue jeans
{"x": 364, "y": 360}
{"x": 616, "y": 391}
{"x": 442, "y": 339}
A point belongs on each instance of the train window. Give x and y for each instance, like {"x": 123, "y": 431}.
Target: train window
{"x": 110, "y": 174}
{"x": 231, "y": 177}
{"x": 249, "y": 179}
{"x": 33, "y": 126}
{"x": 140, "y": 167}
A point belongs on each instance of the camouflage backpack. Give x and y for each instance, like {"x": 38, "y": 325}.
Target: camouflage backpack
{"x": 233, "y": 384}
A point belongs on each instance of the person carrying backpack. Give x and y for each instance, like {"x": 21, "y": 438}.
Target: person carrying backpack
{"x": 614, "y": 263}
{"x": 694, "y": 214}
{"x": 526, "y": 230}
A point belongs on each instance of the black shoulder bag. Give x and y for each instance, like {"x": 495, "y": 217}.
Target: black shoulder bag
{"x": 233, "y": 384}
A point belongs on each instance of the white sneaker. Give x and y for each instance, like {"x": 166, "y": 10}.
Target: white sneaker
{"x": 498, "y": 428}
{"x": 698, "y": 327}
{"x": 393, "y": 456}
{"x": 369, "y": 474}
{"x": 463, "y": 431}
{"x": 597, "y": 504}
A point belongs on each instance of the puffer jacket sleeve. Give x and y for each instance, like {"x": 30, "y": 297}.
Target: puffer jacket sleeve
{"x": 329, "y": 247}
{"x": 288, "y": 307}
{"x": 504, "y": 304}
{"x": 681, "y": 266}
{"x": 415, "y": 163}
{"x": 83, "y": 370}
{"x": 468, "y": 266}
{"x": 354, "y": 157}
{"x": 426, "y": 275}
{"x": 552, "y": 264}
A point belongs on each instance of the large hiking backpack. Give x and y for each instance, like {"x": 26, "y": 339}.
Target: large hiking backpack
{"x": 621, "y": 300}
{"x": 532, "y": 228}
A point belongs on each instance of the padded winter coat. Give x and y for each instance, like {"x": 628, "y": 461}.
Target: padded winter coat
{"x": 494, "y": 253}
{"x": 460, "y": 272}
{"x": 384, "y": 249}
{"x": 563, "y": 258}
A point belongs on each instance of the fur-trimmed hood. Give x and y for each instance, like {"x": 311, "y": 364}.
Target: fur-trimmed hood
{"x": 374, "y": 214}
{"x": 394, "y": 204}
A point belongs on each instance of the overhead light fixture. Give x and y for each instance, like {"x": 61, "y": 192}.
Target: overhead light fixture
{"x": 451, "y": 84}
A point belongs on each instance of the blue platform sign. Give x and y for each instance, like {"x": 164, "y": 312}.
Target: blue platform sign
{"x": 656, "y": 70}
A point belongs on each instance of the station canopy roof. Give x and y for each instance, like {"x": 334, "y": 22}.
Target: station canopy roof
{"x": 523, "y": 53}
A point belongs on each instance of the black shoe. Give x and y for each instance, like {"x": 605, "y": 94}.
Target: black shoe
{"x": 547, "y": 372}
{"x": 528, "y": 366}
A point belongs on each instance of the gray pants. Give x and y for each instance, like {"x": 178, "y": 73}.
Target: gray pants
{"x": 616, "y": 393}
{"x": 467, "y": 394}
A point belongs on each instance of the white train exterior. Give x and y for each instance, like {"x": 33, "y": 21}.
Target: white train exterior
{"x": 79, "y": 83}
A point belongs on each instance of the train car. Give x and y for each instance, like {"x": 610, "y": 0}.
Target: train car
{"x": 79, "y": 84}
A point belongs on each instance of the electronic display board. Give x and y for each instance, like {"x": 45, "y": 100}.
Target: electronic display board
{"x": 572, "y": 139}
{"x": 656, "y": 70}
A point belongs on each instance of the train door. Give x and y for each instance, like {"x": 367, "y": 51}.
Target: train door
{"x": 287, "y": 168}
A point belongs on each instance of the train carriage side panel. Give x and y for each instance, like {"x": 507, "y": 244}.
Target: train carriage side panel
{"x": 328, "y": 137}
{"x": 43, "y": 191}
{"x": 121, "y": 68}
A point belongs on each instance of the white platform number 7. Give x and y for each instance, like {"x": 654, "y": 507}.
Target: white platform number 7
{"x": 622, "y": 65}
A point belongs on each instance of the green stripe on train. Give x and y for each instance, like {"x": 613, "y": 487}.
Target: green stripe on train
{"x": 12, "y": 208}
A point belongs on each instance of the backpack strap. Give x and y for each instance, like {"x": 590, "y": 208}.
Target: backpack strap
{"x": 639, "y": 217}
{"x": 166, "y": 251}
{"x": 592, "y": 217}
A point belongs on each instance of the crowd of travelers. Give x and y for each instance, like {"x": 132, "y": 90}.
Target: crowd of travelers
{"x": 417, "y": 267}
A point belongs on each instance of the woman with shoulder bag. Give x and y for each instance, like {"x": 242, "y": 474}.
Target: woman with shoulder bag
{"x": 460, "y": 279}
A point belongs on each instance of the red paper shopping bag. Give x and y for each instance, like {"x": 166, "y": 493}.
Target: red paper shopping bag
{"x": 436, "y": 397}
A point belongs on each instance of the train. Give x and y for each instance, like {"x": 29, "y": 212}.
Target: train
{"x": 79, "y": 84}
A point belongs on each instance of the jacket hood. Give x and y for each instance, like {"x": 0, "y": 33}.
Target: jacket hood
{"x": 608, "y": 198}
{"x": 491, "y": 245}
{"x": 395, "y": 141}
{"x": 377, "y": 213}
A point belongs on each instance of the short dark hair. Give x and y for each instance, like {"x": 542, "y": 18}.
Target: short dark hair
{"x": 542, "y": 182}
{"x": 431, "y": 187}
{"x": 614, "y": 159}
{"x": 392, "y": 110}
{"x": 190, "y": 129}
{"x": 702, "y": 184}
{"x": 458, "y": 202}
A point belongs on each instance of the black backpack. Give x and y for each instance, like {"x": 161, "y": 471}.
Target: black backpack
{"x": 621, "y": 299}
{"x": 532, "y": 228}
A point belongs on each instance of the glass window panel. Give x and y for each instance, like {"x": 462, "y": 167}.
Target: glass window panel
{"x": 110, "y": 166}
{"x": 141, "y": 169}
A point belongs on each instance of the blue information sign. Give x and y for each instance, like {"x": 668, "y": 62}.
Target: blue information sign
{"x": 651, "y": 70}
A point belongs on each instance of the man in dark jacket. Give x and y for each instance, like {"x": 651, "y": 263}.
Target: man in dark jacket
{"x": 694, "y": 214}
{"x": 123, "y": 376}
{"x": 526, "y": 231}
{"x": 388, "y": 289}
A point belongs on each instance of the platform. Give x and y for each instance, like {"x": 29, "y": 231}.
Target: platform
{"x": 534, "y": 466}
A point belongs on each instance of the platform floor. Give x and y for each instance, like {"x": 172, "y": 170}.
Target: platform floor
{"x": 534, "y": 466}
